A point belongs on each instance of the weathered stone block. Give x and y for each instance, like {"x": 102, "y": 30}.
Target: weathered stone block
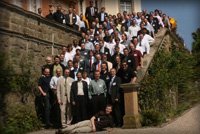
{"x": 4, "y": 24}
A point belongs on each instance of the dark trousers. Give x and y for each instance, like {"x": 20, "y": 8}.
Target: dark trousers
{"x": 55, "y": 110}
{"x": 80, "y": 109}
{"x": 90, "y": 20}
{"x": 117, "y": 115}
{"x": 39, "y": 108}
{"x": 47, "y": 107}
{"x": 117, "y": 112}
{"x": 122, "y": 107}
{"x": 98, "y": 103}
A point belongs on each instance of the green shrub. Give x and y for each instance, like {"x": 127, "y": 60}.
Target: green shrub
{"x": 152, "y": 117}
{"x": 170, "y": 76}
{"x": 21, "y": 119}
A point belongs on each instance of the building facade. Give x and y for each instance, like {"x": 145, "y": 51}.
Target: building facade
{"x": 112, "y": 6}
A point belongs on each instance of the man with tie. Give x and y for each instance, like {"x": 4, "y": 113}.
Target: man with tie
{"x": 91, "y": 13}
{"x": 114, "y": 97}
{"x": 70, "y": 18}
{"x": 79, "y": 98}
{"x": 102, "y": 15}
{"x": 63, "y": 95}
{"x": 97, "y": 65}
{"x": 89, "y": 63}
{"x": 75, "y": 70}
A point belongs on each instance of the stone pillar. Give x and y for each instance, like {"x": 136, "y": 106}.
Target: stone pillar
{"x": 131, "y": 117}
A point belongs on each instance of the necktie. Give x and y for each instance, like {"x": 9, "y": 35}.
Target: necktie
{"x": 110, "y": 85}
{"x": 90, "y": 63}
{"x": 99, "y": 67}
{"x": 70, "y": 21}
{"x": 66, "y": 86}
{"x": 140, "y": 43}
{"x": 92, "y": 11}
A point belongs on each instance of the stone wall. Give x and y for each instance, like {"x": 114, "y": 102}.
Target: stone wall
{"x": 24, "y": 33}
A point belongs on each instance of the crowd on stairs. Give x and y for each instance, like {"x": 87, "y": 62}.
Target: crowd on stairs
{"x": 80, "y": 88}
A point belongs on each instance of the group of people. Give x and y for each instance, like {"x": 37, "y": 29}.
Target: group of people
{"x": 84, "y": 79}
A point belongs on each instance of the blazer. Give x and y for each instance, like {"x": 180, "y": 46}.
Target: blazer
{"x": 68, "y": 19}
{"x": 88, "y": 13}
{"x": 99, "y": 16}
{"x": 130, "y": 61}
{"x": 107, "y": 52}
{"x": 80, "y": 69}
{"x": 74, "y": 91}
{"x": 115, "y": 88}
{"x": 64, "y": 89}
{"x": 94, "y": 65}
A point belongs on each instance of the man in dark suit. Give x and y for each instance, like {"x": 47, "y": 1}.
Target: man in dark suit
{"x": 91, "y": 13}
{"x": 114, "y": 97}
{"x": 79, "y": 99}
{"x": 70, "y": 18}
{"x": 102, "y": 15}
{"x": 50, "y": 15}
{"x": 73, "y": 73}
{"x": 58, "y": 15}
{"x": 104, "y": 50}
{"x": 129, "y": 59}
{"x": 97, "y": 64}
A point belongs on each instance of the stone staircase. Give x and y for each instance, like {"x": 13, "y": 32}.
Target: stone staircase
{"x": 160, "y": 40}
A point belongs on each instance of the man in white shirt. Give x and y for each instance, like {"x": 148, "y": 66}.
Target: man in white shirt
{"x": 88, "y": 45}
{"x": 54, "y": 80}
{"x": 121, "y": 47}
{"x": 148, "y": 38}
{"x": 79, "y": 97}
{"x": 133, "y": 29}
{"x": 69, "y": 55}
{"x": 144, "y": 44}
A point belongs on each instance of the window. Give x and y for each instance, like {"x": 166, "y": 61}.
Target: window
{"x": 34, "y": 5}
{"x": 18, "y": 3}
{"x": 125, "y": 5}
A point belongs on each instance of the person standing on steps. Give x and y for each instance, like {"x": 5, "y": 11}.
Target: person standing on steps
{"x": 63, "y": 95}
{"x": 79, "y": 99}
{"x": 45, "y": 90}
{"x": 97, "y": 93}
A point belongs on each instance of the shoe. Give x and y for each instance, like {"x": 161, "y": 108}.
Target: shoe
{"x": 118, "y": 126}
{"x": 59, "y": 131}
{"x": 49, "y": 126}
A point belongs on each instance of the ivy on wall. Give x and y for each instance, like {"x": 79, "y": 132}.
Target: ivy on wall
{"x": 21, "y": 117}
{"x": 168, "y": 86}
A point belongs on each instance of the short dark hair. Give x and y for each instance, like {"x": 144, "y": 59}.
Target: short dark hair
{"x": 109, "y": 105}
{"x": 78, "y": 73}
{"x": 56, "y": 57}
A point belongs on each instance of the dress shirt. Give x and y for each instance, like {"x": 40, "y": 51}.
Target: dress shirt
{"x": 92, "y": 11}
{"x": 102, "y": 16}
{"x": 97, "y": 87}
{"x": 53, "y": 82}
{"x": 80, "y": 88}
{"x": 111, "y": 82}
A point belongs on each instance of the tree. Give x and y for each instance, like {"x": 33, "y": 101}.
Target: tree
{"x": 196, "y": 52}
